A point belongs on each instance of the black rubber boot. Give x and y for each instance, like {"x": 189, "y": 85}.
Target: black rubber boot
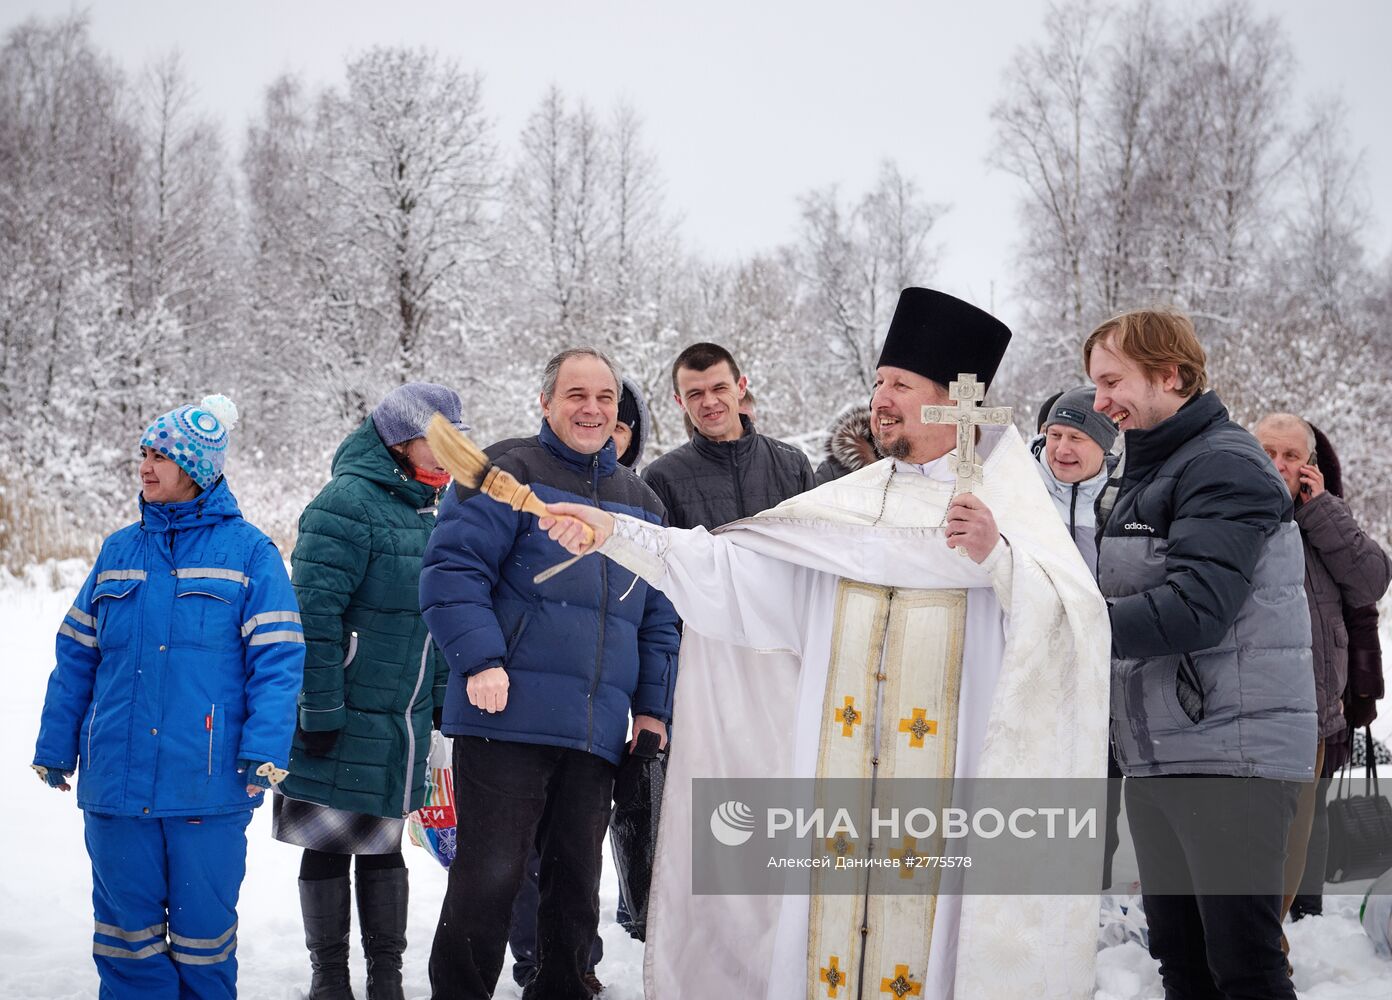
{"x": 325, "y": 906}
{"x": 382, "y": 898}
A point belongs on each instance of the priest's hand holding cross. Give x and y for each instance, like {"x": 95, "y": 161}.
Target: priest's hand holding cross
{"x": 971, "y": 526}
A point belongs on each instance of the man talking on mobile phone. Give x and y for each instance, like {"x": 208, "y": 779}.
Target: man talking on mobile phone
{"x": 1343, "y": 567}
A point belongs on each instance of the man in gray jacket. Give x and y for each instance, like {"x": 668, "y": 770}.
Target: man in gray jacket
{"x": 1343, "y": 568}
{"x": 1202, "y": 568}
{"x": 1072, "y": 452}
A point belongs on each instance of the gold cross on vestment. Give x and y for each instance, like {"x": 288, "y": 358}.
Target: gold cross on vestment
{"x": 918, "y": 725}
{"x": 907, "y": 856}
{"x": 833, "y": 977}
{"x": 902, "y": 985}
{"x": 840, "y": 845}
{"x": 966, "y": 414}
{"x": 849, "y": 717}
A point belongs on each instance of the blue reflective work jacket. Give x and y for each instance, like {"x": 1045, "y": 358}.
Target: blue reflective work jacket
{"x": 182, "y": 654}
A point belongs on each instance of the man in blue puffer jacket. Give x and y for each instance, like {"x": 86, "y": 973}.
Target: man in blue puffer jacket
{"x": 543, "y": 679}
{"x": 174, "y": 692}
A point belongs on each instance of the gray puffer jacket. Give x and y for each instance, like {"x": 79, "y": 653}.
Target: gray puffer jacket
{"x": 1203, "y": 572}
{"x": 1343, "y": 566}
{"x": 709, "y": 483}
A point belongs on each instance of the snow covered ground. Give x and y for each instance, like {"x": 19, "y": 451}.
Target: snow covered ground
{"x": 45, "y": 881}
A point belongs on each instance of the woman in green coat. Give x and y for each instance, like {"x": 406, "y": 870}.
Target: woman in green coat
{"x": 373, "y": 683}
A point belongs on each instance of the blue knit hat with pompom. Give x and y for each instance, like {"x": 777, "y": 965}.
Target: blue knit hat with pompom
{"x": 195, "y": 437}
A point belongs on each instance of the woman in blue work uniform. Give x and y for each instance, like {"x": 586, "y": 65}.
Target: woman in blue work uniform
{"x": 174, "y": 700}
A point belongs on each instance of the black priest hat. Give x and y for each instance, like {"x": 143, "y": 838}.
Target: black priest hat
{"x": 937, "y": 336}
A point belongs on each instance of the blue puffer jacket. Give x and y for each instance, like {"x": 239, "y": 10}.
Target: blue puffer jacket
{"x": 182, "y": 654}
{"x": 581, "y": 650}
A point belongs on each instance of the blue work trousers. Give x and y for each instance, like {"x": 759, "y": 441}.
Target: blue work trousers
{"x": 164, "y": 895}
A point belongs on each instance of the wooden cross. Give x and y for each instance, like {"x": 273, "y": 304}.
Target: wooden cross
{"x": 966, "y": 414}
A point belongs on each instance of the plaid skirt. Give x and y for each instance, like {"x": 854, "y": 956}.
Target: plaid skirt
{"x": 334, "y": 831}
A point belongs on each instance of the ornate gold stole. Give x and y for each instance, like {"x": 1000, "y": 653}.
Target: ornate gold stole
{"x": 890, "y": 711}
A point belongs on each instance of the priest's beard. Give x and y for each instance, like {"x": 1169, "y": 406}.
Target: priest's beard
{"x": 900, "y": 448}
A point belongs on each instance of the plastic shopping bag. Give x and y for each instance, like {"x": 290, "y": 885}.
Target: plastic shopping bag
{"x": 432, "y": 825}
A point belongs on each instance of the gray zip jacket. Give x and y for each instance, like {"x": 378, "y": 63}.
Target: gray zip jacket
{"x": 1203, "y": 572}
{"x": 1075, "y": 502}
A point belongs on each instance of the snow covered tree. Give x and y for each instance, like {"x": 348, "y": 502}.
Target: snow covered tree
{"x": 1162, "y": 165}
{"x": 116, "y": 213}
{"x": 369, "y": 218}
{"x": 853, "y": 260}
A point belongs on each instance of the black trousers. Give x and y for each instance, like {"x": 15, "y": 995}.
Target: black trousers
{"x": 1211, "y": 852}
{"x": 522, "y": 937}
{"x": 509, "y": 797}
{"x": 1112, "y": 834}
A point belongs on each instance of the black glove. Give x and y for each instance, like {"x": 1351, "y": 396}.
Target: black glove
{"x": 437, "y": 717}
{"x": 318, "y": 744}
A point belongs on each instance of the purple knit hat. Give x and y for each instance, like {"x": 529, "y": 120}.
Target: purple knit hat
{"x": 404, "y": 413}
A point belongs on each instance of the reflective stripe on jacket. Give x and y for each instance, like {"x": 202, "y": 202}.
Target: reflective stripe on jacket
{"x": 182, "y": 654}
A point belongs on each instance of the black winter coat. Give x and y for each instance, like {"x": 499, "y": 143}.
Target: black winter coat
{"x": 1343, "y": 568}
{"x": 709, "y": 483}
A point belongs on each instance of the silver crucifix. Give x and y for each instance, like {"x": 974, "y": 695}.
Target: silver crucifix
{"x": 967, "y": 415}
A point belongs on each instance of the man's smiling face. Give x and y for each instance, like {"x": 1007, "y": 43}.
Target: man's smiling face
{"x": 1126, "y": 394}
{"x": 1072, "y": 456}
{"x": 896, "y": 411}
{"x": 711, "y": 399}
{"x": 585, "y": 404}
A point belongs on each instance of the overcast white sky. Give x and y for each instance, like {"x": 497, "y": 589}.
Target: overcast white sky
{"x": 747, "y": 104}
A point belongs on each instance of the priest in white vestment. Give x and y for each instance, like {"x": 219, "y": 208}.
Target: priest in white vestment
{"x": 843, "y": 634}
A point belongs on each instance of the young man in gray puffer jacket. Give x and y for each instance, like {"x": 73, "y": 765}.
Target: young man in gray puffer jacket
{"x": 1202, "y": 568}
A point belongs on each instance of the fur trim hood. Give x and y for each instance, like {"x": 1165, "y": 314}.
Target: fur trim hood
{"x": 849, "y": 440}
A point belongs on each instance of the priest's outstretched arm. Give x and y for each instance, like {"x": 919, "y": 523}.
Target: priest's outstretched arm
{"x": 718, "y": 588}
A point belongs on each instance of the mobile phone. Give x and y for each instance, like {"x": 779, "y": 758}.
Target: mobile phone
{"x": 1314, "y": 460}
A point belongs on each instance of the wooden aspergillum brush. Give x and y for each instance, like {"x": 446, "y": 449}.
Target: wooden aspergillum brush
{"x": 468, "y": 464}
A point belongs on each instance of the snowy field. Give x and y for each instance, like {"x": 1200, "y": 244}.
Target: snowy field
{"x": 45, "y": 881}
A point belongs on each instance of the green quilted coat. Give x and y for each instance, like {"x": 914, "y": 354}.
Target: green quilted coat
{"x": 371, "y": 671}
